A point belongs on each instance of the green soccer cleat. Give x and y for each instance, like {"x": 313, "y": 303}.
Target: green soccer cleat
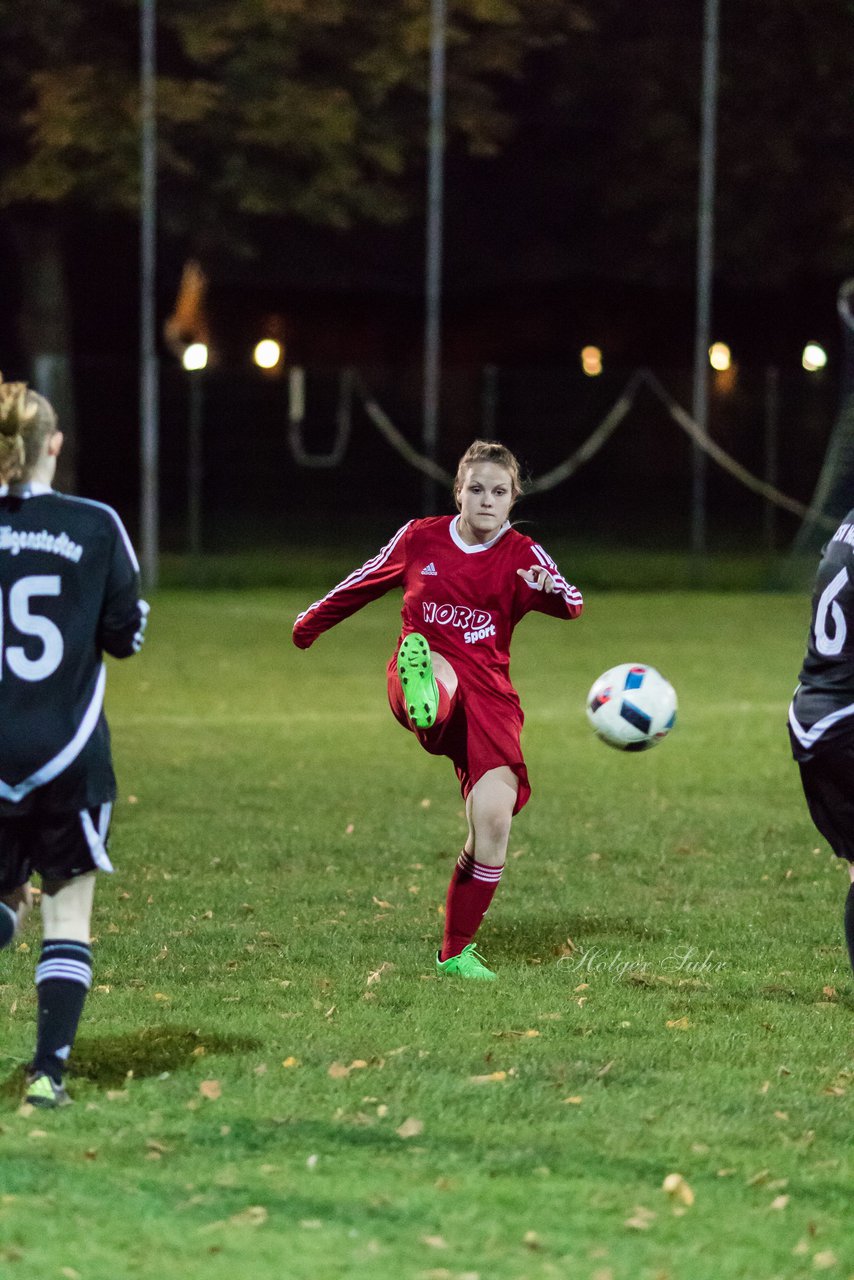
{"x": 42, "y": 1091}
{"x": 468, "y": 964}
{"x": 420, "y": 691}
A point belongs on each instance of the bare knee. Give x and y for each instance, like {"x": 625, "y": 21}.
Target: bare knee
{"x": 67, "y": 907}
{"x": 493, "y": 799}
{"x": 445, "y": 674}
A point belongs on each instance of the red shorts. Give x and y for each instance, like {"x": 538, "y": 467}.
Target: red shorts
{"x": 478, "y": 735}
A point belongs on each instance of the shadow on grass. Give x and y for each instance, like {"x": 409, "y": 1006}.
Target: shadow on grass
{"x": 148, "y": 1052}
{"x": 545, "y": 934}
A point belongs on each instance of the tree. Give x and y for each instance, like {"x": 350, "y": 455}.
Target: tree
{"x": 312, "y": 108}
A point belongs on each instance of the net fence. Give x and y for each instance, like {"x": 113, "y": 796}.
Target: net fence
{"x": 326, "y": 451}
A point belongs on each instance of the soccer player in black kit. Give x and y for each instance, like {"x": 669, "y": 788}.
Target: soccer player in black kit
{"x": 69, "y": 590}
{"x": 821, "y": 716}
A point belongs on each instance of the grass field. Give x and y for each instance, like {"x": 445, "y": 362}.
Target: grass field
{"x": 270, "y": 1080}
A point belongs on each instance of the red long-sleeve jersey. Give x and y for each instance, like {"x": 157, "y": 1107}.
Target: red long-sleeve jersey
{"x": 466, "y": 600}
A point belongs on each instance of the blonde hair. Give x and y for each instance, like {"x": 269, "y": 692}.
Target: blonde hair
{"x": 489, "y": 451}
{"x": 26, "y": 422}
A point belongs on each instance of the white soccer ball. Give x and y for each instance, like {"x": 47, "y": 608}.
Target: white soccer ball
{"x": 632, "y": 707}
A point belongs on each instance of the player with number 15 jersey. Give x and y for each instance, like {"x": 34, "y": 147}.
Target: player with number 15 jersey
{"x": 69, "y": 591}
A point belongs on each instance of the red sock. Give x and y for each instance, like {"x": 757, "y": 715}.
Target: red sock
{"x": 469, "y": 895}
{"x": 446, "y": 702}
{"x": 397, "y": 701}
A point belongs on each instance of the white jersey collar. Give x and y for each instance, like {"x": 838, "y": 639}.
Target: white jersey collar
{"x": 454, "y": 529}
{"x": 25, "y": 489}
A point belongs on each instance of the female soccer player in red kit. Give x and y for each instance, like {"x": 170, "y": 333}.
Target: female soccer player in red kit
{"x": 467, "y": 580}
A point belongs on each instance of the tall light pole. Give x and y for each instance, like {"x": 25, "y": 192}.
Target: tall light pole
{"x": 433, "y": 266}
{"x": 148, "y": 373}
{"x": 705, "y": 264}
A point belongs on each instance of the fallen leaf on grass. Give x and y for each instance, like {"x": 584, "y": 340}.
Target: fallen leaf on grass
{"x": 410, "y": 1128}
{"x": 565, "y": 949}
{"x": 576, "y": 1099}
{"x": 381, "y": 902}
{"x": 386, "y": 967}
{"x": 492, "y": 1078}
{"x": 678, "y": 1024}
{"x": 779, "y": 1202}
{"x": 675, "y": 1186}
{"x": 254, "y": 1216}
{"x": 290, "y": 1062}
{"x": 825, "y": 1260}
{"x": 435, "y": 1242}
{"x": 641, "y": 1220}
{"x": 69, "y": 1273}
{"x": 210, "y": 1089}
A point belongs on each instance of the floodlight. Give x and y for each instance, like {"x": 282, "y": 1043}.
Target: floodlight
{"x": 591, "y": 361}
{"x": 720, "y": 356}
{"x": 267, "y": 353}
{"x": 814, "y": 357}
{"x": 195, "y": 357}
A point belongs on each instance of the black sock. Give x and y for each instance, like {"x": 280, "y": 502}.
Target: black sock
{"x": 8, "y": 921}
{"x": 63, "y": 977}
{"x": 849, "y": 923}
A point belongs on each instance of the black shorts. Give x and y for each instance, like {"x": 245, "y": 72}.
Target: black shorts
{"x": 59, "y": 846}
{"x": 828, "y": 782}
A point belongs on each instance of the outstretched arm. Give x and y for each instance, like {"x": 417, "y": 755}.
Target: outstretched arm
{"x": 546, "y": 589}
{"x": 377, "y": 576}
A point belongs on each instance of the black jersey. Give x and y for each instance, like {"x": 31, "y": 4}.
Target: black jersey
{"x": 822, "y": 710}
{"x": 69, "y": 590}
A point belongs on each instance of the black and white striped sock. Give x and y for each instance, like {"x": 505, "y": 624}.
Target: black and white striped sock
{"x": 63, "y": 978}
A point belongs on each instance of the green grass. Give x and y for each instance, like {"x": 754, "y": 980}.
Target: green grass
{"x": 283, "y": 850}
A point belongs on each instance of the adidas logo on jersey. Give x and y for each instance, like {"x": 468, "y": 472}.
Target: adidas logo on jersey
{"x": 429, "y": 571}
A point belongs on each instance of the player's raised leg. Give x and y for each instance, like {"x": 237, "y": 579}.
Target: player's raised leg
{"x": 489, "y": 809}
{"x": 63, "y": 979}
{"x": 428, "y": 682}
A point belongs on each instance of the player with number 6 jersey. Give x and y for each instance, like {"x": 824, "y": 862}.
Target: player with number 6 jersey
{"x": 69, "y": 591}
{"x": 467, "y": 580}
{"x": 821, "y": 715}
